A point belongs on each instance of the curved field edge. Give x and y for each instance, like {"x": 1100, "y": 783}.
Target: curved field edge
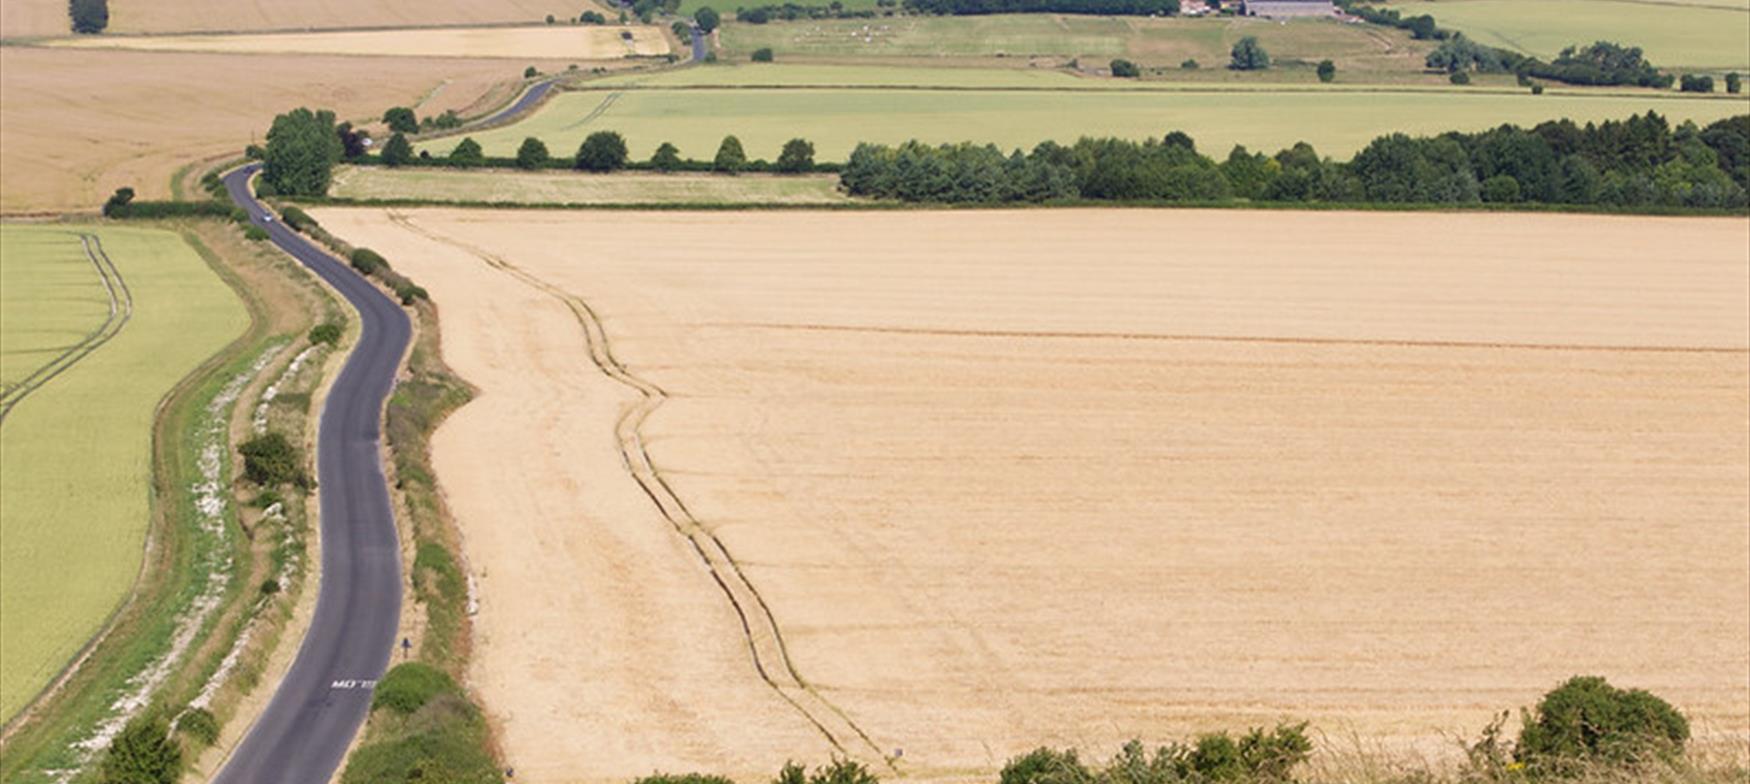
{"x": 46, "y": 735}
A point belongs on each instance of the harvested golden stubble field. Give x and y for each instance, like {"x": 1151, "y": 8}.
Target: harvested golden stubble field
{"x": 551, "y": 42}
{"x": 49, "y": 17}
{"x": 1007, "y": 478}
{"x": 81, "y": 124}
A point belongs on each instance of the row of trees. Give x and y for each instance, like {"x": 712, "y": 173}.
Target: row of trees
{"x": 606, "y": 151}
{"x": 1638, "y": 162}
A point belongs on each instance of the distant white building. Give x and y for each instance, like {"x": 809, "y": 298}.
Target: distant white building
{"x": 1286, "y": 9}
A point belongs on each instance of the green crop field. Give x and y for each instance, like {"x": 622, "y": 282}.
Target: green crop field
{"x": 1675, "y": 35}
{"x": 549, "y": 187}
{"x": 1336, "y": 122}
{"x": 52, "y": 298}
{"x": 76, "y": 453}
{"x": 1095, "y": 39}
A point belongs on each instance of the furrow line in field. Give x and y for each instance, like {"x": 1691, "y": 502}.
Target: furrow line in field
{"x": 121, "y": 308}
{"x": 765, "y": 639}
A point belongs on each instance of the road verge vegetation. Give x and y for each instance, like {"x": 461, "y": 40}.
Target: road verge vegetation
{"x": 422, "y": 723}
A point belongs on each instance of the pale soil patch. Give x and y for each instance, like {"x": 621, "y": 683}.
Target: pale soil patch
{"x": 550, "y": 187}
{"x": 81, "y": 124}
{"x": 1011, "y": 478}
{"x": 561, "y": 42}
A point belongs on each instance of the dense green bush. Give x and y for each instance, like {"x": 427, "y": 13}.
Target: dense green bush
{"x": 1257, "y": 756}
{"x": 88, "y": 16}
{"x": 1587, "y": 719}
{"x": 682, "y": 778}
{"x": 1189, "y": 65}
{"x": 368, "y": 261}
{"x": 667, "y": 158}
{"x": 397, "y": 151}
{"x": 730, "y": 157}
{"x": 117, "y": 201}
{"x": 467, "y": 154}
{"x": 796, "y": 157}
{"x": 199, "y": 725}
{"x": 255, "y": 233}
{"x": 602, "y": 151}
{"x": 1249, "y": 55}
{"x": 143, "y": 753}
{"x": 410, "y": 293}
{"x": 328, "y": 333}
{"x": 408, "y": 686}
{"x": 707, "y": 19}
{"x": 298, "y": 219}
{"x": 592, "y": 17}
{"x": 532, "y": 154}
{"x": 1125, "y": 69}
{"x": 401, "y": 119}
{"x": 1046, "y": 766}
{"x": 762, "y": 55}
{"x": 444, "y": 742}
{"x": 1696, "y": 83}
{"x": 1327, "y": 71}
{"x": 270, "y": 460}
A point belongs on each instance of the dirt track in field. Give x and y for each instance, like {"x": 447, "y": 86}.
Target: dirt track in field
{"x": 1012, "y": 478}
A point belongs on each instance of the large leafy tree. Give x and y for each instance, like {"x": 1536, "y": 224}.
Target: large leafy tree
{"x": 532, "y": 155}
{"x": 797, "y": 157}
{"x": 707, "y": 19}
{"x": 730, "y": 157}
{"x": 302, "y": 148}
{"x": 397, "y": 152}
{"x": 1249, "y": 55}
{"x": 602, "y": 151}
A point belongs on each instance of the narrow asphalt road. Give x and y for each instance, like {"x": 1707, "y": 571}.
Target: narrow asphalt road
{"x": 318, "y": 707}
{"x": 523, "y": 103}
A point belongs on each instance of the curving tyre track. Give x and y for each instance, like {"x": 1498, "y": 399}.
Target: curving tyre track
{"x": 121, "y": 308}
{"x": 305, "y": 731}
{"x": 765, "y": 639}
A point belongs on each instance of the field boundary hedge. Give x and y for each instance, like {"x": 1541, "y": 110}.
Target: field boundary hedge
{"x": 871, "y": 205}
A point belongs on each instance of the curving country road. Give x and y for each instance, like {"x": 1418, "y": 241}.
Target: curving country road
{"x": 306, "y": 729}
{"x": 522, "y": 104}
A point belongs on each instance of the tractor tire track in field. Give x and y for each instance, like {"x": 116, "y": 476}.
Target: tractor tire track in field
{"x": 765, "y": 639}
{"x": 600, "y": 109}
{"x": 121, "y": 308}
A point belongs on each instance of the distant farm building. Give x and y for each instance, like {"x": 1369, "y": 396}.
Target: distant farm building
{"x": 1284, "y": 9}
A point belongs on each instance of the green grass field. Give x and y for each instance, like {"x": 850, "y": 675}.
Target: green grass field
{"x": 52, "y": 297}
{"x": 1674, "y": 35}
{"x": 77, "y": 451}
{"x": 517, "y": 187}
{"x": 1336, "y": 122}
{"x": 1094, "y": 39}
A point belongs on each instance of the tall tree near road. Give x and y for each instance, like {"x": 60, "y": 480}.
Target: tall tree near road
{"x": 707, "y": 19}
{"x": 302, "y": 148}
{"x": 401, "y": 120}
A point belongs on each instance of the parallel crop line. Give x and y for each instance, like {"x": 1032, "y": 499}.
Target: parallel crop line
{"x": 765, "y": 639}
{"x": 121, "y": 308}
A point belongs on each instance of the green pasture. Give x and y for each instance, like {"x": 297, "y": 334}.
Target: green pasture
{"x": 1336, "y": 122}
{"x": 76, "y": 455}
{"x": 1674, "y": 35}
{"x": 549, "y": 187}
{"x": 1096, "y": 39}
{"x": 52, "y": 297}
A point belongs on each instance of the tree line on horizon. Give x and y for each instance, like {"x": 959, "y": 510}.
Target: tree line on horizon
{"x": 1639, "y": 162}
